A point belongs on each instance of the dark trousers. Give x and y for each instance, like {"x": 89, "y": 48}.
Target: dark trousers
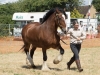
{"x": 75, "y": 49}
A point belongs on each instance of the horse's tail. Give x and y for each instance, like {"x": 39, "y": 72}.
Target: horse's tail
{"x": 22, "y": 47}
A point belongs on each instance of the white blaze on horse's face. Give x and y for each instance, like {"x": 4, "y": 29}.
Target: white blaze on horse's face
{"x": 64, "y": 28}
{"x": 63, "y": 16}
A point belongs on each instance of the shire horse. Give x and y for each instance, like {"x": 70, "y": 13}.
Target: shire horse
{"x": 44, "y": 35}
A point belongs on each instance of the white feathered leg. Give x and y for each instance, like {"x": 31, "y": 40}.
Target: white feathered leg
{"x": 30, "y": 59}
{"x": 45, "y": 67}
{"x": 58, "y": 59}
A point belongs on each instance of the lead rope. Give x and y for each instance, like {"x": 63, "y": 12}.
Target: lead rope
{"x": 64, "y": 42}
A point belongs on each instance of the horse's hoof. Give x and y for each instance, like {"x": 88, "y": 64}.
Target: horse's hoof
{"x": 45, "y": 69}
{"x": 56, "y": 61}
{"x": 34, "y": 66}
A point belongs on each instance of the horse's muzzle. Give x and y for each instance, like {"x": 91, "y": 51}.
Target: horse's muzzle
{"x": 64, "y": 30}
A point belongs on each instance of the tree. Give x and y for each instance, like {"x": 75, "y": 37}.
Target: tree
{"x": 42, "y": 5}
{"x": 6, "y": 19}
{"x": 76, "y": 14}
{"x": 71, "y": 4}
{"x": 96, "y": 4}
{"x": 7, "y": 10}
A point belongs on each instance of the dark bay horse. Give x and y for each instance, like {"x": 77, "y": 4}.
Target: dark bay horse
{"x": 44, "y": 35}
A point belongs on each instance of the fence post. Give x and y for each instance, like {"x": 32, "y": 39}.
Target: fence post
{"x": 9, "y": 29}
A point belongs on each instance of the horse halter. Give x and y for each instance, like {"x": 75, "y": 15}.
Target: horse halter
{"x": 58, "y": 19}
{"x": 58, "y": 22}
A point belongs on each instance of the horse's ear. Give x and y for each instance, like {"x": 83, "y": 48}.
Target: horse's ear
{"x": 66, "y": 16}
{"x": 57, "y": 10}
{"x": 64, "y": 9}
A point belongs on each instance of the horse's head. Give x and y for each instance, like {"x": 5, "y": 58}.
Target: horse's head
{"x": 60, "y": 17}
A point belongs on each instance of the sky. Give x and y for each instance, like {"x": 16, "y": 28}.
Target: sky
{"x": 6, "y": 1}
{"x": 86, "y": 2}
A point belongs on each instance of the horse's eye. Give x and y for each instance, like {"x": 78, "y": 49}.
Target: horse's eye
{"x": 60, "y": 18}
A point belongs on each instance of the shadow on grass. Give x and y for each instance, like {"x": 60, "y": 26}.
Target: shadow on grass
{"x": 56, "y": 69}
{"x": 38, "y": 67}
{"x": 73, "y": 68}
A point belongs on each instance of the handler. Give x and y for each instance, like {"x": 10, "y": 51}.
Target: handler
{"x": 76, "y": 38}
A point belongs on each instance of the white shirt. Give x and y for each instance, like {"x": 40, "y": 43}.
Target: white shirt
{"x": 74, "y": 34}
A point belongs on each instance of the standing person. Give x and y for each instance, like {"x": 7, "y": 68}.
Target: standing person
{"x": 98, "y": 31}
{"x": 76, "y": 37}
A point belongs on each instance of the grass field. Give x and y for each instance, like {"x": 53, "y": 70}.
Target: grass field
{"x": 13, "y": 61}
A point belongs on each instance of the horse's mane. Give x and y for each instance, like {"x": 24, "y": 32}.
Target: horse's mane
{"x": 50, "y": 12}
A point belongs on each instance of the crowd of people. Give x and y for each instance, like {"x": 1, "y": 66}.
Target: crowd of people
{"x": 91, "y": 31}
{"x": 98, "y": 31}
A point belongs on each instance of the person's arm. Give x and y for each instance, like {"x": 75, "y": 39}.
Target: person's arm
{"x": 83, "y": 35}
{"x": 62, "y": 35}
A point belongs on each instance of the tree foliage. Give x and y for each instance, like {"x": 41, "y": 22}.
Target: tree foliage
{"x": 42, "y": 5}
{"x": 76, "y": 14}
{"x": 96, "y": 4}
{"x": 7, "y": 10}
{"x": 71, "y": 4}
